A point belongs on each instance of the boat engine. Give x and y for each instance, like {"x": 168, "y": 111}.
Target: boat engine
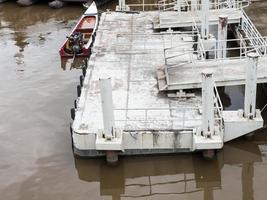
{"x": 75, "y": 43}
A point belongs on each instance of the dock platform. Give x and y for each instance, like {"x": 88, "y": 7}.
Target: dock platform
{"x": 133, "y": 99}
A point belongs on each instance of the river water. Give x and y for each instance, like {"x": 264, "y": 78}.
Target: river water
{"x": 36, "y": 160}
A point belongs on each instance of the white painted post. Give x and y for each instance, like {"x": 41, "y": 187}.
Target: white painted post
{"x": 205, "y": 19}
{"x": 251, "y": 86}
{"x": 121, "y": 5}
{"x": 222, "y": 36}
{"x": 178, "y": 5}
{"x": 107, "y": 106}
{"x": 207, "y": 104}
{"x": 194, "y": 6}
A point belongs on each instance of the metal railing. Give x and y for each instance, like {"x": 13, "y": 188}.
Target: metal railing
{"x": 218, "y": 108}
{"x": 186, "y": 5}
{"x": 128, "y": 42}
{"x": 167, "y": 119}
{"x": 256, "y": 40}
{"x": 233, "y": 51}
{"x": 145, "y": 120}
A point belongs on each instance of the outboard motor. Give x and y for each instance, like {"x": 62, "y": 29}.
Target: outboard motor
{"x": 75, "y": 45}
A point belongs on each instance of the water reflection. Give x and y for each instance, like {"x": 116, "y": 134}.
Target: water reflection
{"x": 70, "y": 63}
{"x": 33, "y": 15}
{"x": 171, "y": 176}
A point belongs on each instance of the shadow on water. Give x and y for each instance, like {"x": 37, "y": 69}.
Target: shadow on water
{"x": 172, "y": 176}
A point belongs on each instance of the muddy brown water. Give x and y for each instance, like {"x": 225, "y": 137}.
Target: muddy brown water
{"x": 36, "y": 160}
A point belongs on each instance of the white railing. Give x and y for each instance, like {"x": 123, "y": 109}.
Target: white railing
{"x": 241, "y": 50}
{"x": 135, "y": 42}
{"x": 256, "y": 40}
{"x": 167, "y": 5}
{"x": 145, "y": 120}
{"x": 184, "y": 5}
{"x": 218, "y": 108}
{"x": 166, "y": 119}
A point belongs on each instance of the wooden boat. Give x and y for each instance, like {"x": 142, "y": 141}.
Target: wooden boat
{"x": 80, "y": 40}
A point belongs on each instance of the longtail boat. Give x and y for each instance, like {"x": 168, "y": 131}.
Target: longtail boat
{"x": 79, "y": 41}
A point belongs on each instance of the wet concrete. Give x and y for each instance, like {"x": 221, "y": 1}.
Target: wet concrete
{"x": 36, "y": 160}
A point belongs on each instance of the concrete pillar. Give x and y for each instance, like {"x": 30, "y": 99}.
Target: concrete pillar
{"x": 205, "y": 18}
{"x": 107, "y": 106}
{"x": 178, "y": 6}
{"x": 222, "y": 36}
{"x": 207, "y": 104}
{"x": 121, "y": 5}
{"x": 251, "y": 86}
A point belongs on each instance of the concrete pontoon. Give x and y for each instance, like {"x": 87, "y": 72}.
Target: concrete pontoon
{"x": 128, "y": 103}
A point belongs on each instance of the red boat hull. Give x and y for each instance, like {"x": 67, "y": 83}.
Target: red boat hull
{"x": 86, "y": 26}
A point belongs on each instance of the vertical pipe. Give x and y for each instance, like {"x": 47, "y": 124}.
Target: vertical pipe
{"x": 251, "y": 86}
{"x": 178, "y": 4}
{"x": 222, "y": 36}
{"x": 204, "y": 19}
{"x": 207, "y": 104}
{"x": 107, "y": 106}
{"x": 194, "y": 6}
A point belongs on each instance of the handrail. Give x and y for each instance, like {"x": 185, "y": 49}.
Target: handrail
{"x": 253, "y": 35}
{"x": 244, "y": 50}
{"x": 213, "y": 5}
{"x": 146, "y": 119}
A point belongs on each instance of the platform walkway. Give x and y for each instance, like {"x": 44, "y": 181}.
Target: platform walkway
{"x": 226, "y": 72}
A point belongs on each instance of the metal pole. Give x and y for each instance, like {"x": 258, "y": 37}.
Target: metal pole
{"x": 178, "y": 4}
{"x": 107, "y": 106}
{"x": 222, "y": 36}
{"x": 194, "y": 6}
{"x": 207, "y": 104}
{"x": 251, "y": 86}
{"x": 205, "y": 19}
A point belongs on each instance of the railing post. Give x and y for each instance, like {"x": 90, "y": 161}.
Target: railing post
{"x": 251, "y": 86}
{"x": 222, "y": 36}
{"x": 122, "y": 6}
{"x": 204, "y": 19}
{"x": 207, "y": 104}
{"x": 107, "y": 106}
{"x": 178, "y": 5}
{"x": 194, "y": 6}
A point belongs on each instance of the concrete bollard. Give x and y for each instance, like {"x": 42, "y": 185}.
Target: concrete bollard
{"x": 107, "y": 106}
{"x": 205, "y": 19}
{"x": 207, "y": 104}
{"x": 222, "y": 36}
{"x": 251, "y": 86}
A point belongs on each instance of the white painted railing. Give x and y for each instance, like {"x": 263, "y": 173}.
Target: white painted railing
{"x": 138, "y": 119}
{"x": 256, "y": 40}
{"x": 218, "y": 108}
{"x": 147, "y": 121}
{"x": 241, "y": 50}
{"x": 188, "y": 5}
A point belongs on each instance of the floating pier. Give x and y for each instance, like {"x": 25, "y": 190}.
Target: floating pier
{"x": 134, "y": 98}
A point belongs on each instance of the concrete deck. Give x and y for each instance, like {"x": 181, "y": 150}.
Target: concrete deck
{"x": 147, "y": 121}
{"x": 137, "y": 102}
